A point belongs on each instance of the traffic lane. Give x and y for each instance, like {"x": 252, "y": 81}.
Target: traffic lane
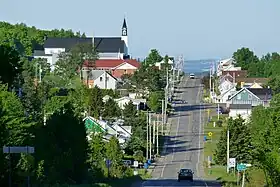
{"x": 191, "y": 130}
{"x": 175, "y": 183}
{"x": 178, "y": 157}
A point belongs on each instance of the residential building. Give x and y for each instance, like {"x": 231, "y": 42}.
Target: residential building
{"x": 236, "y": 73}
{"x": 107, "y": 47}
{"x": 160, "y": 64}
{"x": 224, "y": 97}
{"x": 251, "y": 81}
{"x": 225, "y": 64}
{"x": 116, "y": 67}
{"x": 244, "y": 110}
{"x": 100, "y": 78}
{"x": 253, "y": 96}
{"x": 139, "y": 103}
{"x": 225, "y": 86}
{"x": 123, "y": 133}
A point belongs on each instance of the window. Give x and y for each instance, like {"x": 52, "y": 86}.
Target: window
{"x": 125, "y": 71}
{"x": 249, "y": 97}
{"x": 100, "y": 78}
{"x": 239, "y": 96}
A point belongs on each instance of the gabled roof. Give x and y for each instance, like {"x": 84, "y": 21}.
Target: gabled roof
{"x": 236, "y": 73}
{"x": 94, "y": 74}
{"x": 109, "y": 44}
{"x": 252, "y": 80}
{"x": 261, "y": 93}
{"x": 66, "y": 43}
{"x": 113, "y": 63}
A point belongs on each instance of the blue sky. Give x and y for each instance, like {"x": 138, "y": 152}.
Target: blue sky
{"x": 198, "y": 29}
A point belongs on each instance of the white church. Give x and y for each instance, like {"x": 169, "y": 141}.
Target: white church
{"x": 107, "y": 47}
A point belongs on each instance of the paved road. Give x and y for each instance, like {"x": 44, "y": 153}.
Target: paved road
{"x": 184, "y": 146}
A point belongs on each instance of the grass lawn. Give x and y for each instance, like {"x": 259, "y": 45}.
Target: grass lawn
{"x": 218, "y": 172}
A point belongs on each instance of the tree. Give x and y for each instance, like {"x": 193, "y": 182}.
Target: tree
{"x": 115, "y": 155}
{"x": 245, "y": 59}
{"x": 96, "y": 156}
{"x": 10, "y": 66}
{"x": 71, "y": 62}
{"x": 265, "y": 126}
{"x": 96, "y": 102}
{"x": 25, "y": 38}
{"x": 64, "y": 138}
{"x": 111, "y": 109}
{"x": 240, "y": 142}
{"x": 129, "y": 110}
{"x": 153, "y": 58}
{"x": 154, "y": 101}
{"x": 15, "y": 130}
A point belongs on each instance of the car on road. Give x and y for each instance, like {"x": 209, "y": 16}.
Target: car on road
{"x": 192, "y": 76}
{"x": 185, "y": 174}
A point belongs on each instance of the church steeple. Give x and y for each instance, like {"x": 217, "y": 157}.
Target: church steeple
{"x": 124, "y": 28}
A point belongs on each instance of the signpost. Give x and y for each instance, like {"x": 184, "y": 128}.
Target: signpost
{"x": 108, "y": 164}
{"x": 210, "y": 134}
{"x": 16, "y": 150}
{"x": 242, "y": 168}
{"x": 135, "y": 164}
{"x": 232, "y": 162}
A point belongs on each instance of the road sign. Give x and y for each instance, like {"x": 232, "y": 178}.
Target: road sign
{"x": 241, "y": 167}
{"x": 210, "y": 134}
{"x": 232, "y": 162}
{"x": 15, "y": 149}
{"x": 108, "y": 163}
{"x": 135, "y": 163}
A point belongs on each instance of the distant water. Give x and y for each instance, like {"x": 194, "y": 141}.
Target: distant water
{"x": 198, "y": 66}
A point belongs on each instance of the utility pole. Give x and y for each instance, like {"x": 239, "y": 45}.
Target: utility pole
{"x": 218, "y": 111}
{"x": 243, "y": 179}
{"x": 154, "y": 137}
{"x": 162, "y": 117}
{"x": 40, "y": 73}
{"x": 147, "y": 146}
{"x": 157, "y": 134}
{"x": 228, "y": 150}
{"x": 210, "y": 81}
{"x": 166, "y": 95}
{"x": 150, "y": 135}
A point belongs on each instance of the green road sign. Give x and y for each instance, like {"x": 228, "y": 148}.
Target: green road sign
{"x": 241, "y": 167}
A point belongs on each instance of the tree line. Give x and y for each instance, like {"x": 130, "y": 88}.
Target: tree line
{"x": 45, "y": 109}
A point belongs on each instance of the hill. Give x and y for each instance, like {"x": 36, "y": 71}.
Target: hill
{"x": 26, "y": 38}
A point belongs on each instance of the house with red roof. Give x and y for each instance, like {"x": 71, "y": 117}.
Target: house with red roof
{"x": 116, "y": 67}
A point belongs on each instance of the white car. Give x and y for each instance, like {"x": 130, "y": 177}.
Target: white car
{"x": 192, "y": 76}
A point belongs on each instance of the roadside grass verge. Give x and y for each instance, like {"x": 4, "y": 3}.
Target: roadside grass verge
{"x": 255, "y": 176}
{"x": 125, "y": 182}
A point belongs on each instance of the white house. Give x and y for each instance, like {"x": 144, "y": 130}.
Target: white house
{"x": 159, "y": 64}
{"x": 225, "y": 86}
{"x": 223, "y": 97}
{"x": 225, "y": 64}
{"x": 244, "y": 110}
{"x": 100, "y": 78}
{"x": 125, "y": 100}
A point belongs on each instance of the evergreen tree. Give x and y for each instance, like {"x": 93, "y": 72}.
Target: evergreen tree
{"x": 111, "y": 109}
{"x": 240, "y": 141}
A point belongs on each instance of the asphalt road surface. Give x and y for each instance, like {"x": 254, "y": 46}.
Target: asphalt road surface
{"x": 184, "y": 145}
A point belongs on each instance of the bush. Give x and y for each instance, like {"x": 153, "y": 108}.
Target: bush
{"x": 219, "y": 123}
